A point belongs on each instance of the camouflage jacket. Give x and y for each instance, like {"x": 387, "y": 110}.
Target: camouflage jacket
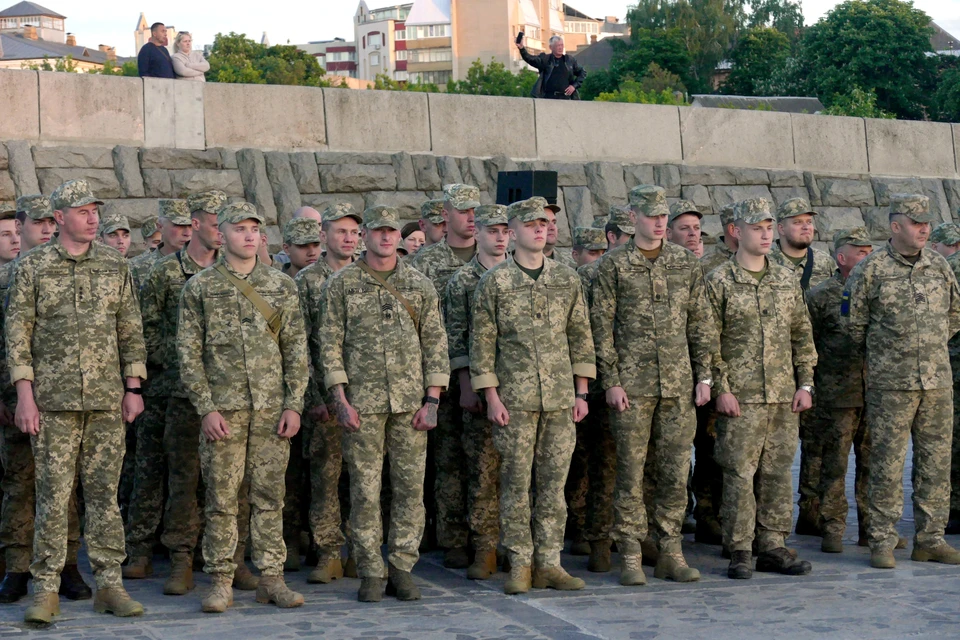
{"x": 369, "y": 342}
{"x": 8, "y": 394}
{"x": 766, "y": 343}
{"x": 953, "y": 345}
{"x": 228, "y": 359}
{"x": 652, "y": 324}
{"x": 458, "y": 307}
{"x": 159, "y": 305}
{"x": 438, "y": 262}
{"x": 721, "y": 253}
{"x": 839, "y": 374}
{"x": 140, "y": 266}
{"x": 562, "y": 258}
{"x": 529, "y": 338}
{"x": 903, "y": 314}
{"x": 73, "y": 327}
{"x": 587, "y": 274}
{"x": 823, "y": 265}
{"x": 310, "y": 283}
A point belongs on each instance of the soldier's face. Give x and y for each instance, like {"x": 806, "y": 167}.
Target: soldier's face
{"x": 946, "y": 250}
{"x": 175, "y": 236}
{"x": 303, "y": 255}
{"x": 797, "y": 231}
{"x": 205, "y": 231}
{"x": 850, "y": 256}
{"x": 699, "y": 250}
{"x": 493, "y": 240}
{"x": 119, "y": 240}
{"x": 341, "y": 237}
{"x": 529, "y": 236}
{"x": 755, "y": 239}
{"x": 460, "y": 223}
{"x": 614, "y": 241}
{"x": 908, "y": 234}
{"x": 34, "y": 233}
{"x": 78, "y": 224}
{"x": 433, "y": 232}
{"x": 586, "y": 256}
{"x": 9, "y": 240}
{"x": 241, "y": 239}
{"x": 685, "y": 231}
{"x": 382, "y": 242}
{"x": 551, "y": 228}
{"x": 651, "y": 228}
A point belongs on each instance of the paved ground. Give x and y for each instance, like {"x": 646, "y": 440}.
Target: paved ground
{"x": 842, "y": 598}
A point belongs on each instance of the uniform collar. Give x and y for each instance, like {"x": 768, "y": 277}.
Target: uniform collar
{"x": 742, "y": 276}
{"x": 89, "y": 254}
{"x": 922, "y": 261}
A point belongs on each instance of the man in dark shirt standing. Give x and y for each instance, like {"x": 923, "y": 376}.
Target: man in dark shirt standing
{"x": 560, "y": 75}
{"x": 153, "y": 61}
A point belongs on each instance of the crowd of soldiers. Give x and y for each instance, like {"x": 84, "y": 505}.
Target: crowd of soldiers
{"x": 486, "y": 385}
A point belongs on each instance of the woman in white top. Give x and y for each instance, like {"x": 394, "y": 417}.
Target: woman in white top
{"x": 187, "y": 63}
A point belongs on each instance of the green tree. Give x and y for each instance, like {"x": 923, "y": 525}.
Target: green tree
{"x": 948, "y": 96}
{"x": 494, "y": 79}
{"x": 110, "y": 68}
{"x": 758, "y": 54}
{"x": 878, "y": 46}
{"x": 65, "y": 65}
{"x": 657, "y": 86}
{"x": 783, "y": 15}
{"x": 857, "y": 103}
{"x": 383, "y": 82}
{"x": 632, "y": 59}
{"x": 235, "y": 58}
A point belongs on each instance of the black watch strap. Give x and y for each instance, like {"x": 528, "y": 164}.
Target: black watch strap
{"x": 583, "y": 396}
{"x": 137, "y": 392}
{"x": 429, "y": 400}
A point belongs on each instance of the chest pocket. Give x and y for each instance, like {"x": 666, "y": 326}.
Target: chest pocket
{"x": 55, "y": 294}
{"x": 414, "y": 297}
{"x": 558, "y": 304}
{"x": 636, "y": 293}
{"x": 782, "y": 302}
{"x": 898, "y": 299}
{"x": 222, "y": 318}
{"x": 678, "y": 288}
{"x": 362, "y": 306}
{"x": 932, "y": 292}
{"x": 514, "y": 304}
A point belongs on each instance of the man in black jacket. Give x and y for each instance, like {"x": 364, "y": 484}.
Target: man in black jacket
{"x": 560, "y": 74}
{"x": 154, "y": 61}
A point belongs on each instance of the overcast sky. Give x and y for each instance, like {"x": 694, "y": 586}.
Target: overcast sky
{"x": 112, "y": 22}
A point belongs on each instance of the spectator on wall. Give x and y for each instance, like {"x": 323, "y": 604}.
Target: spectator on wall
{"x": 560, "y": 74}
{"x": 153, "y": 61}
{"x": 187, "y": 63}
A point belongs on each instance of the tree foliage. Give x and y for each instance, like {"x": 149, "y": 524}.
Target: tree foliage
{"x": 383, "y": 82}
{"x": 494, "y": 79}
{"x": 857, "y": 103}
{"x": 236, "y": 58}
{"x": 758, "y": 54}
{"x": 632, "y": 59}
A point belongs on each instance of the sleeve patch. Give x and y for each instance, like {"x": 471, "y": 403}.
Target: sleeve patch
{"x": 845, "y": 304}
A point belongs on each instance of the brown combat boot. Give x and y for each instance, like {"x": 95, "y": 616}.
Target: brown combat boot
{"x": 400, "y": 585}
{"x": 672, "y": 566}
{"x": 484, "y": 565}
{"x": 831, "y": 543}
{"x": 137, "y": 568}
{"x": 117, "y": 601}
{"x": 45, "y": 606}
{"x": 371, "y": 590}
{"x": 556, "y": 578}
{"x": 882, "y": 559}
{"x": 942, "y": 553}
{"x": 519, "y": 580}
{"x": 350, "y": 568}
{"x": 326, "y": 571}
{"x": 631, "y": 570}
{"x": 220, "y": 596}
{"x": 180, "y": 581}
{"x": 243, "y": 578}
{"x": 273, "y": 589}
{"x": 456, "y": 558}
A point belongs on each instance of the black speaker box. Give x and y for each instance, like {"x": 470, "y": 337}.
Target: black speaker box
{"x": 520, "y": 185}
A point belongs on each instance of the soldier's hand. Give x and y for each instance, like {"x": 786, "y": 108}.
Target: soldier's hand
{"x": 28, "y": 417}
{"x": 617, "y": 399}
{"x": 214, "y": 427}
{"x": 347, "y": 416}
{"x": 727, "y": 405}
{"x": 289, "y": 424}
{"x": 6, "y": 418}
{"x": 470, "y": 400}
{"x": 497, "y": 413}
{"x": 131, "y": 407}
{"x": 802, "y": 400}
{"x": 580, "y": 410}
{"x": 426, "y": 418}
{"x": 703, "y": 394}
{"x": 320, "y": 413}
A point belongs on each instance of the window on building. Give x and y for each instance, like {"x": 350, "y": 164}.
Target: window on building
{"x": 383, "y": 39}
{"x": 427, "y": 77}
{"x": 374, "y": 59}
{"x": 400, "y": 76}
{"x": 8, "y": 23}
{"x": 402, "y": 55}
{"x": 400, "y": 35}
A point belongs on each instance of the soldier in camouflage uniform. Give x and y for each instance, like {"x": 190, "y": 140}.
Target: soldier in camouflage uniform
{"x": 481, "y": 458}
{"x": 432, "y": 222}
{"x": 649, "y": 308}
{"x": 75, "y": 354}
{"x": 9, "y": 234}
{"x": 439, "y": 262}
{"x": 839, "y": 380}
{"x": 683, "y": 225}
{"x": 549, "y": 251}
{"x": 243, "y": 364}
{"x": 146, "y": 499}
{"x": 340, "y": 232}
{"x": 34, "y": 217}
{"x": 902, "y": 304}
{"x": 531, "y": 352}
{"x": 763, "y": 380}
{"x": 793, "y": 252}
{"x": 382, "y": 345}
{"x": 726, "y": 245}
{"x": 953, "y": 521}
{"x": 115, "y": 232}
{"x": 301, "y": 243}
{"x": 945, "y": 239}
{"x": 150, "y": 231}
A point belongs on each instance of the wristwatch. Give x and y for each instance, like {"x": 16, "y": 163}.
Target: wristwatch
{"x": 430, "y": 400}
{"x": 135, "y": 391}
{"x": 583, "y": 396}
{"x": 807, "y": 387}
{"x": 707, "y": 381}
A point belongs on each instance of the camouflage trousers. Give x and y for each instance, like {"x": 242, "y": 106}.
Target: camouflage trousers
{"x": 182, "y": 524}
{"x": 667, "y": 426}
{"x": 449, "y": 479}
{"x": 296, "y": 490}
{"x": 18, "y": 510}
{"x": 811, "y": 461}
{"x": 482, "y": 464}
{"x": 323, "y": 450}
{"x": 756, "y": 452}
{"x": 146, "y": 500}
{"x": 576, "y": 487}
{"x": 125, "y": 491}
{"x": 254, "y": 452}
{"x": 955, "y": 450}
{"x": 707, "y": 475}
{"x": 838, "y": 429}
{"x": 363, "y": 450}
{"x": 600, "y": 475}
{"x": 892, "y": 418}
{"x": 543, "y": 440}
{"x": 92, "y": 441}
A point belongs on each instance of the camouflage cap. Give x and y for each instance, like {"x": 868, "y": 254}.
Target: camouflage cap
{"x": 728, "y": 214}
{"x": 528, "y": 210}
{"x": 794, "y": 207}
{"x": 753, "y": 210}
{"x": 300, "y": 231}
{"x": 913, "y": 205}
{"x": 338, "y": 210}
{"x": 599, "y": 222}
{"x": 649, "y": 200}
{"x": 488, "y": 215}
{"x": 176, "y": 211}
{"x": 589, "y": 238}
{"x": 237, "y": 212}
{"x": 620, "y": 218}
{"x": 462, "y": 196}
{"x": 382, "y": 216}
{"x": 209, "y": 201}
{"x": 946, "y": 233}
{"x": 73, "y": 193}
{"x": 7, "y": 210}
{"x": 432, "y": 211}
{"x": 149, "y": 226}
{"x": 35, "y": 207}
{"x": 857, "y": 236}
{"x": 681, "y": 207}
{"x": 114, "y": 223}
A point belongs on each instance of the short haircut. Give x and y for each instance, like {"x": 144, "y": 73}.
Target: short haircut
{"x": 155, "y": 26}
{"x": 614, "y": 229}
{"x": 21, "y": 217}
{"x": 554, "y": 39}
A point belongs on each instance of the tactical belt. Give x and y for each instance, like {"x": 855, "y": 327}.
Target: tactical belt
{"x": 393, "y": 291}
{"x": 271, "y": 315}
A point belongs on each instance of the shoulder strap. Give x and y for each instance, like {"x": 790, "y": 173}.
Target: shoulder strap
{"x": 807, "y": 270}
{"x": 271, "y": 315}
{"x": 393, "y": 291}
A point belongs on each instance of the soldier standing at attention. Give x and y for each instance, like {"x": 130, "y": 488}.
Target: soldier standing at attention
{"x": 549, "y": 251}
{"x": 115, "y": 232}
{"x": 35, "y": 224}
{"x": 382, "y": 346}
{"x": 945, "y": 239}
{"x": 953, "y": 521}
{"x": 439, "y": 262}
{"x": 243, "y": 363}
{"x": 9, "y": 234}
{"x": 763, "y": 380}
{"x": 340, "y": 233}
{"x": 481, "y": 460}
{"x": 683, "y": 225}
{"x": 175, "y": 229}
{"x": 432, "y": 222}
{"x": 75, "y": 354}
{"x": 654, "y": 335}
{"x": 531, "y": 352}
{"x": 301, "y": 242}
{"x": 903, "y": 305}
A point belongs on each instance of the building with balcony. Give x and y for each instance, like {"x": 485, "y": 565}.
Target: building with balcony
{"x": 338, "y": 57}
{"x": 429, "y": 43}
{"x": 378, "y": 35}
